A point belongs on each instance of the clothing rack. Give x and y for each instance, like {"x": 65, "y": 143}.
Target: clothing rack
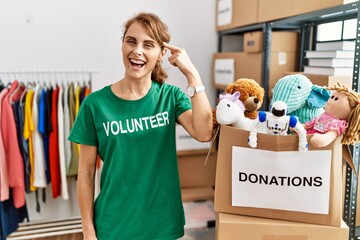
{"x": 50, "y": 80}
{"x": 55, "y": 73}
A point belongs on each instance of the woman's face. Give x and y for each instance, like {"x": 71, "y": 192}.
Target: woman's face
{"x": 140, "y": 52}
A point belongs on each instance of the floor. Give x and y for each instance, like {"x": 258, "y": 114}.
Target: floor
{"x": 200, "y": 221}
{"x": 199, "y": 234}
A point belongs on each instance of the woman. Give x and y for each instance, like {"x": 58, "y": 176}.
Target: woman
{"x": 131, "y": 125}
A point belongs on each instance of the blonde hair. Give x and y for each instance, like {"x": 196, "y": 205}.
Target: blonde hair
{"x": 157, "y": 30}
{"x": 352, "y": 132}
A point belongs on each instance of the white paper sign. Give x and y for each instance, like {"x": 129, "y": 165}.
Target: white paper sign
{"x": 224, "y": 71}
{"x": 224, "y": 15}
{"x": 282, "y": 56}
{"x": 292, "y": 180}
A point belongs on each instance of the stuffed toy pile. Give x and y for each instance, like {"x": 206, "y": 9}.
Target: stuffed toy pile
{"x": 325, "y": 112}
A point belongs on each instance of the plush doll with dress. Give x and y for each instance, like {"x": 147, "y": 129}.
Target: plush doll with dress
{"x": 341, "y": 118}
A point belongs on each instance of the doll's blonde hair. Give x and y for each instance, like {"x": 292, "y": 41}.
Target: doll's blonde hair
{"x": 352, "y": 133}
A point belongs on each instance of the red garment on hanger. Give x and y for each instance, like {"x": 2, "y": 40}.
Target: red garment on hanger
{"x": 54, "y": 156}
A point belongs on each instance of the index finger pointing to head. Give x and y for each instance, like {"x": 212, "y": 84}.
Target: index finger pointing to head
{"x": 171, "y": 47}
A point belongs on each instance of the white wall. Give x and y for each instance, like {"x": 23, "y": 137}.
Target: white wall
{"x": 86, "y": 34}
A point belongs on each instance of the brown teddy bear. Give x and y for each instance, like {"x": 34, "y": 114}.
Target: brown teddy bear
{"x": 251, "y": 94}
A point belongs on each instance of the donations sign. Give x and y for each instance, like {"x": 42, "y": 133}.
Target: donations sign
{"x": 290, "y": 180}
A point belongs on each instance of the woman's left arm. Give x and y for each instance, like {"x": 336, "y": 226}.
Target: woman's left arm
{"x": 197, "y": 121}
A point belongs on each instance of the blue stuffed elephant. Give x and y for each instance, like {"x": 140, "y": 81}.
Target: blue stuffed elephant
{"x": 304, "y": 100}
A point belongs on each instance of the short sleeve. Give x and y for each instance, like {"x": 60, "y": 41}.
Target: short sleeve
{"x": 84, "y": 129}
{"x": 338, "y": 125}
{"x": 183, "y": 103}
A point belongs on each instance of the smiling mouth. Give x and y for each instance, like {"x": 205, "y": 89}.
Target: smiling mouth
{"x": 137, "y": 63}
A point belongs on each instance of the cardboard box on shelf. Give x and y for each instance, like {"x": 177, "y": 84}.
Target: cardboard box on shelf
{"x": 227, "y": 67}
{"x": 197, "y": 194}
{"x": 248, "y": 65}
{"x": 284, "y": 41}
{"x": 193, "y": 172}
{"x": 305, "y": 6}
{"x": 229, "y": 227}
{"x": 185, "y": 142}
{"x": 279, "y": 9}
{"x": 224, "y": 198}
{"x": 287, "y": 8}
{"x": 325, "y": 80}
{"x": 235, "y": 13}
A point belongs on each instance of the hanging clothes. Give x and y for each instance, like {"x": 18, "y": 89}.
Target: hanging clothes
{"x": 18, "y": 109}
{"x": 67, "y": 143}
{"x": 14, "y": 159}
{"x": 4, "y": 177}
{"x": 43, "y": 126}
{"x": 54, "y": 158}
{"x": 10, "y": 216}
{"x": 74, "y": 164}
{"x": 39, "y": 156}
{"x": 61, "y": 139}
{"x": 34, "y": 150}
{"x": 27, "y": 133}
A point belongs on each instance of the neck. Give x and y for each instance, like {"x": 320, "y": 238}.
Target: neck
{"x": 131, "y": 90}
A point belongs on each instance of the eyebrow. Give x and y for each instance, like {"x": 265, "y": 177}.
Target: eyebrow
{"x": 146, "y": 41}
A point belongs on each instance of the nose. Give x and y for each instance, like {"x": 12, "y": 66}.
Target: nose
{"x": 256, "y": 100}
{"x": 138, "y": 50}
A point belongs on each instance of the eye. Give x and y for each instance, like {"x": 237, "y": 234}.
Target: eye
{"x": 228, "y": 105}
{"x": 336, "y": 98}
{"x": 332, "y": 97}
{"x": 149, "y": 45}
{"x": 130, "y": 41}
{"x": 299, "y": 87}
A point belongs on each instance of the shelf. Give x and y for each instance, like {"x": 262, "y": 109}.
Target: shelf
{"x": 306, "y": 24}
{"x": 341, "y": 12}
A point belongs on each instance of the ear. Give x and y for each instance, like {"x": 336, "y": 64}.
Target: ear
{"x": 162, "y": 54}
{"x": 318, "y": 97}
{"x": 236, "y": 96}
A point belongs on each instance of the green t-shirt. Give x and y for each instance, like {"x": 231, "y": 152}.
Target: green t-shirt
{"x": 140, "y": 195}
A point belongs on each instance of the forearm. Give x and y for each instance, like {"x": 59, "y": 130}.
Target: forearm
{"x": 85, "y": 189}
{"x": 202, "y": 122}
{"x": 85, "y": 195}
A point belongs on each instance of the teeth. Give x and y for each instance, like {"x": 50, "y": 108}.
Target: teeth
{"x": 136, "y": 61}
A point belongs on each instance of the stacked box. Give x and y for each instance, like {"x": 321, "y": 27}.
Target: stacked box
{"x": 230, "y": 227}
{"x": 262, "y": 192}
{"x": 197, "y": 179}
{"x": 287, "y": 8}
{"x": 235, "y": 13}
{"x": 229, "y": 66}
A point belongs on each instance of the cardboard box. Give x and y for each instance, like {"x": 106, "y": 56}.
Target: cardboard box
{"x": 287, "y": 8}
{"x": 197, "y": 194}
{"x": 324, "y": 80}
{"x": 248, "y": 65}
{"x": 184, "y": 141}
{"x": 230, "y": 71}
{"x": 237, "y": 12}
{"x": 230, "y": 136}
{"x": 284, "y": 41}
{"x": 193, "y": 172}
{"x": 230, "y": 227}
